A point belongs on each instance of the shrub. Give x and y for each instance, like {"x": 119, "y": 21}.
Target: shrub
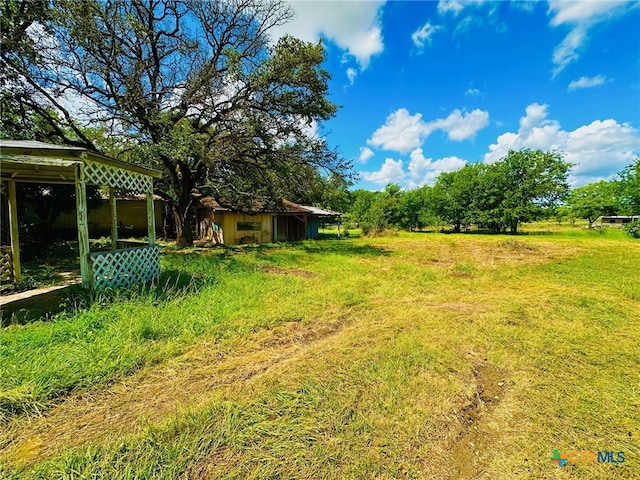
{"x": 633, "y": 229}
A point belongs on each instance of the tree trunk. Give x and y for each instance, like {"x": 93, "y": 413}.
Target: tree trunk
{"x": 184, "y": 237}
{"x": 514, "y": 227}
{"x": 182, "y": 183}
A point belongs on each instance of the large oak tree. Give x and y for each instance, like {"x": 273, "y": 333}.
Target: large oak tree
{"x": 196, "y": 88}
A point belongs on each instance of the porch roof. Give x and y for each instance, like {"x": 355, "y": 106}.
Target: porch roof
{"x": 31, "y": 161}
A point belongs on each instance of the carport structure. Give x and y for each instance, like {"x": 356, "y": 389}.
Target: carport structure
{"x": 37, "y": 162}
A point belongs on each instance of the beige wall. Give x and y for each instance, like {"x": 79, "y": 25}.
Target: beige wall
{"x": 233, "y": 236}
{"x": 131, "y": 213}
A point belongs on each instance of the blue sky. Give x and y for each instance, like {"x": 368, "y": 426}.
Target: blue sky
{"x": 426, "y": 86}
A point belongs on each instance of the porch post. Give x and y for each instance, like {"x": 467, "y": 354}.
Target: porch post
{"x": 83, "y": 225}
{"x": 114, "y": 218}
{"x": 13, "y": 222}
{"x": 275, "y": 228}
{"x": 151, "y": 219}
{"x": 305, "y": 227}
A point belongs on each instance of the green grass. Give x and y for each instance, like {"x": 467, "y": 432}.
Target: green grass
{"x": 123, "y": 331}
{"x": 360, "y": 358}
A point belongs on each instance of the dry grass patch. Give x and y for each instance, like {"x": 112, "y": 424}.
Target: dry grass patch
{"x": 288, "y": 271}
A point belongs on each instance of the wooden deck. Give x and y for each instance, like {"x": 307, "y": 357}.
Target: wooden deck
{"x": 30, "y": 305}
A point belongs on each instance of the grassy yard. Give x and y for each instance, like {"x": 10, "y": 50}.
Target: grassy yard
{"x": 421, "y": 355}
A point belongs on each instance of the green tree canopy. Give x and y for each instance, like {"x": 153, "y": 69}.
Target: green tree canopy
{"x": 594, "y": 200}
{"x": 524, "y": 186}
{"x": 629, "y": 188}
{"x": 532, "y": 182}
{"x": 454, "y": 194}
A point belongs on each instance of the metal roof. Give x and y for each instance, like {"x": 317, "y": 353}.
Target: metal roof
{"x": 210, "y": 203}
{"x": 288, "y": 207}
{"x": 33, "y": 145}
{"x": 320, "y": 212}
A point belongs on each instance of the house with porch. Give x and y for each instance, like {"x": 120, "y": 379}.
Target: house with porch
{"x": 38, "y": 162}
{"x": 226, "y": 226}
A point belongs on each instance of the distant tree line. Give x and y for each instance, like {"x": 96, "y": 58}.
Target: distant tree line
{"x": 526, "y": 185}
{"x": 619, "y": 196}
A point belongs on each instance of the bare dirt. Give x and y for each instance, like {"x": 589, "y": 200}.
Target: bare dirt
{"x": 288, "y": 271}
{"x": 473, "y": 435}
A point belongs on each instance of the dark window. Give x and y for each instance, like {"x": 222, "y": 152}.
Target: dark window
{"x": 249, "y": 226}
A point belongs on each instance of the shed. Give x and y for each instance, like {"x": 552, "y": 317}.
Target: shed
{"x": 292, "y": 222}
{"x": 38, "y": 162}
{"x": 619, "y": 219}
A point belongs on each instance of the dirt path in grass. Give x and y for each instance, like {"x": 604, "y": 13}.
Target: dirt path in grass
{"x": 155, "y": 393}
{"x": 474, "y": 436}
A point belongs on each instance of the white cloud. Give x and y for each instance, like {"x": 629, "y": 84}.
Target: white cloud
{"x": 450, "y": 6}
{"x": 420, "y": 171}
{"x": 473, "y": 93}
{"x": 587, "y": 82}
{"x": 585, "y": 11}
{"x": 354, "y": 26}
{"x": 567, "y": 51}
{"x": 422, "y": 36}
{"x": 524, "y": 5}
{"x": 473, "y": 18}
{"x": 42, "y": 39}
{"x": 602, "y": 146}
{"x": 424, "y": 171}
{"x": 365, "y": 154}
{"x": 419, "y": 164}
{"x": 310, "y": 129}
{"x": 462, "y": 126}
{"x": 351, "y": 74}
{"x": 391, "y": 171}
{"x": 466, "y": 23}
{"x": 581, "y": 16}
{"x": 599, "y": 149}
{"x": 535, "y": 132}
{"x": 448, "y": 164}
{"x": 403, "y": 132}
{"x": 535, "y": 115}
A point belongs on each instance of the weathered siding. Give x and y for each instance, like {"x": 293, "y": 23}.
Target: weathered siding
{"x": 132, "y": 215}
{"x": 234, "y": 236}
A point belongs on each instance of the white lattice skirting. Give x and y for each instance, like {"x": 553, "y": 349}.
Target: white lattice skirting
{"x": 6, "y": 264}
{"x": 121, "y": 268}
{"x": 100, "y": 174}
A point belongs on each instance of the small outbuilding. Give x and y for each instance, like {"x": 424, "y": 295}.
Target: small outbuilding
{"x": 619, "y": 219}
{"x": 226, "y": 226}
{"x": 37, "y": 162}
